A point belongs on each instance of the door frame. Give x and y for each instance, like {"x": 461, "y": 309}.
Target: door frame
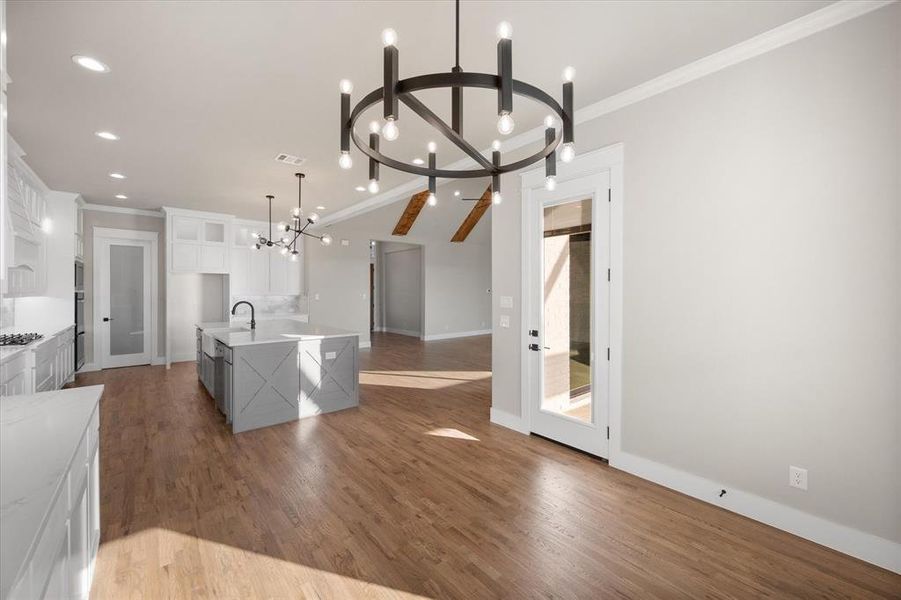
{"x": 609, "y": 160}
{"x": 102, "y": 234}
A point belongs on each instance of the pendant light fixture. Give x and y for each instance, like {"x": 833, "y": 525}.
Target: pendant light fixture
{"x": 289, "y": 233}
{"x": 396, "y": 91}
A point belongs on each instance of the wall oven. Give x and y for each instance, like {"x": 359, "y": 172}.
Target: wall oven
{"x": 79, "y": 276}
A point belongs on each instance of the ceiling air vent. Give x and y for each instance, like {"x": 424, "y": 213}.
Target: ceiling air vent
{"x": 290, "y": 159}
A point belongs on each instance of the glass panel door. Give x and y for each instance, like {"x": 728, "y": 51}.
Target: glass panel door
{"x": 126, "y": 289}
{"x": 568, "y": 237}
{"x": 567, "y": 310}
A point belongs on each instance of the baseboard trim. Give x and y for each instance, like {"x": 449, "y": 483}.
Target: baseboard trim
{"x": 458, "y": 334}
{"x": 88, "y": 368}
{"x": 187, "y": 357}
{"x": 508, "y": 420}
{"x": 159, "y": 360}
{"x": 853, "y": 542}
{"x": 415, "y": 334}
{"x": 365, "y": 345}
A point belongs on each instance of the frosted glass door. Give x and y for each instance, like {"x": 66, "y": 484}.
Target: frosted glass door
{"x": 124, "y": 323}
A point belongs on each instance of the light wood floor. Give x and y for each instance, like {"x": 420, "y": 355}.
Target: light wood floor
{"x": 413, "y": 494}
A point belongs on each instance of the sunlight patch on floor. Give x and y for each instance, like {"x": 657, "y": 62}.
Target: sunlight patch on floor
{"x": 188, "y": 566}
{"x": 424, "y": 380}
{"x": 450, "y": 432}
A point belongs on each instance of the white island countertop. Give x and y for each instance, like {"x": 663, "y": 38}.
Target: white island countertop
{"x": 280, "y": 330}
{"x": 39, "y": 435}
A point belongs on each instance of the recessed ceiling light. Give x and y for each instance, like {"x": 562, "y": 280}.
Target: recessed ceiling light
{"x": 107, "y": 135}
{"x": 320, "y": 208}
{"x": 121, "y": 196}
{"x": 418, "y": 161}
{"x": 360, "y": 188}
{"x": 457, "y": 193}
{"x": 117, "y": 175}
{"x": 91, "y": 64}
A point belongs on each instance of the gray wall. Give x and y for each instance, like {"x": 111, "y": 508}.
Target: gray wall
{"x": 402, "y": 288}
{"x": 110, "y": 220}
{"x": 762, "y": 275}
{"x": 457, "y": 277}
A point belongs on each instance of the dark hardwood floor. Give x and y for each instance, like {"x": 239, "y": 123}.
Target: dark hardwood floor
{"x": 414, "y": 493}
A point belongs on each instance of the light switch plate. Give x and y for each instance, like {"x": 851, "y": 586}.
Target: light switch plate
{"x": 506, "y": 301}
{"x": 345, "y": 242}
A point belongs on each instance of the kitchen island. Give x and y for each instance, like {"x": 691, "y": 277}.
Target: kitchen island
{"x": 281, "y": 371}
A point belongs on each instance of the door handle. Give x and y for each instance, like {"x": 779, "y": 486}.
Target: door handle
{"x": 107, "y": 319}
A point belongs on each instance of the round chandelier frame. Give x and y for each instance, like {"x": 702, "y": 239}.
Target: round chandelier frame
{"x": 396, "y": 91}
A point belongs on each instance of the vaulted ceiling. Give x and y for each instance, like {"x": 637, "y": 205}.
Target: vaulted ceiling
{"x": 205, "y": 94}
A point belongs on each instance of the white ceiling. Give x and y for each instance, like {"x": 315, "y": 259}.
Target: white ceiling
{"x": 205, "y": 94}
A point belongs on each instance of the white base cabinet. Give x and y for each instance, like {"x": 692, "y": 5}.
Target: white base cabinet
{"x": 42, "y": 367}
{"x": 63, "y": 561}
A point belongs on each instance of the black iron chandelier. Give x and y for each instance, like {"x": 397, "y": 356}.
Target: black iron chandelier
{"x": 290, "y": 232}
{"x": 395, "y": 91}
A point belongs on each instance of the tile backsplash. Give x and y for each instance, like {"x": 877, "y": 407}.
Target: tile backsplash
{"x": 265, "y": 305}
{"x": 7, "y": 313}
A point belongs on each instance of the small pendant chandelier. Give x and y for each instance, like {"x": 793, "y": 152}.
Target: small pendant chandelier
{"x": 290, "y": 232}
{"x": 395, "y": 91}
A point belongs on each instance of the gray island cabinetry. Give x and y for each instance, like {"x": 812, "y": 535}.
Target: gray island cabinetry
{"x": 282, "y": 371}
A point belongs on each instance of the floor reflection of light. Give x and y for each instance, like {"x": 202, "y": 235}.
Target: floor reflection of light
{"x": 209, "y": 569}
{"x": 450, "y": 432}
{"x": 426, "y": 380}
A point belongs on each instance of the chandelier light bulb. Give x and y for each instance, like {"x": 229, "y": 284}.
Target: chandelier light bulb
{"x": 285, "y": 240}
{"x": 569, "y": 74}
{"x": 568, "y": 152}
{"x": 296, "y": 212}
{"x": 389, "y": 37}
{"x": 550, "y": 183}
{"x": 432, "y": 146}
{"x": 390, "y": 130}
{"x": 504, "y": 30}
{"x": 374, "y": 127}
{"x": 283, "y": 251}
{"x": 313, "y": 217}
{"x": 550, "y": 121}
{"x": 280, "y": 226}
{"x": 346, "y": 86}
{"x": 505, "y": 124}
{"x": 294, "y": 256}
{"x": 325, "y": 240}
{"x": 496, "y": 198}
{"x": 254, "y": 246}
{"x": 496, "y": 145}
{"x": 255, "y": 235}
{"x": 345, "y": 161}
{"x": 373, "y": 186}
{"x": 432, "y": 200}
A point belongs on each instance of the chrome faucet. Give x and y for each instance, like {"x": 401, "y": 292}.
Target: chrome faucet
{"x": 253, "y": 323}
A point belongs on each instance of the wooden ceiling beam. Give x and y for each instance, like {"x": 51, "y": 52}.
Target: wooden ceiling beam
{"x": 473, "y": 217}
{"x": 414, "y": 207}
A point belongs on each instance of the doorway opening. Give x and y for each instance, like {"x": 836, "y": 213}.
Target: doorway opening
{"x": 396, "y": 288}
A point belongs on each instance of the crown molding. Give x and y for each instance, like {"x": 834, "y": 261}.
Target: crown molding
{"x": 798, "y": 29}
{"x": 123, "y": 210}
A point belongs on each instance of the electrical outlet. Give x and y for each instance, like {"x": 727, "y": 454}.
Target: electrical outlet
{"x": 797, "y": 477}
{"x": 505, "y": 320}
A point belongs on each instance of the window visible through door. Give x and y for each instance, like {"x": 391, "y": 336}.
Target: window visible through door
{"x": 567, "y": 310}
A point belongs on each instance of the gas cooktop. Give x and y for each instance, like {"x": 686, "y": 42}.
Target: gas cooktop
{"x": 18, "y": 339}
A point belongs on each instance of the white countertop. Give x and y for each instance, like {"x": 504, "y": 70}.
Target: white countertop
{"x": 8, "y": 352}
{"x": 280, "y": 330}
{"x": 39, "y": 434}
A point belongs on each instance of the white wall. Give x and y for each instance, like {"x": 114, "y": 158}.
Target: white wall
{"x": 54, "y": 310}
{"x": 762, "y": 275}
{"x": 457, "y": 276}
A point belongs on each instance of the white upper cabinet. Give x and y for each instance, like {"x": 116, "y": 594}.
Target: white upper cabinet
{"x": 23, "y": 238}
{"x": 260, "y": 272}
{"x": 198, "y": 241}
